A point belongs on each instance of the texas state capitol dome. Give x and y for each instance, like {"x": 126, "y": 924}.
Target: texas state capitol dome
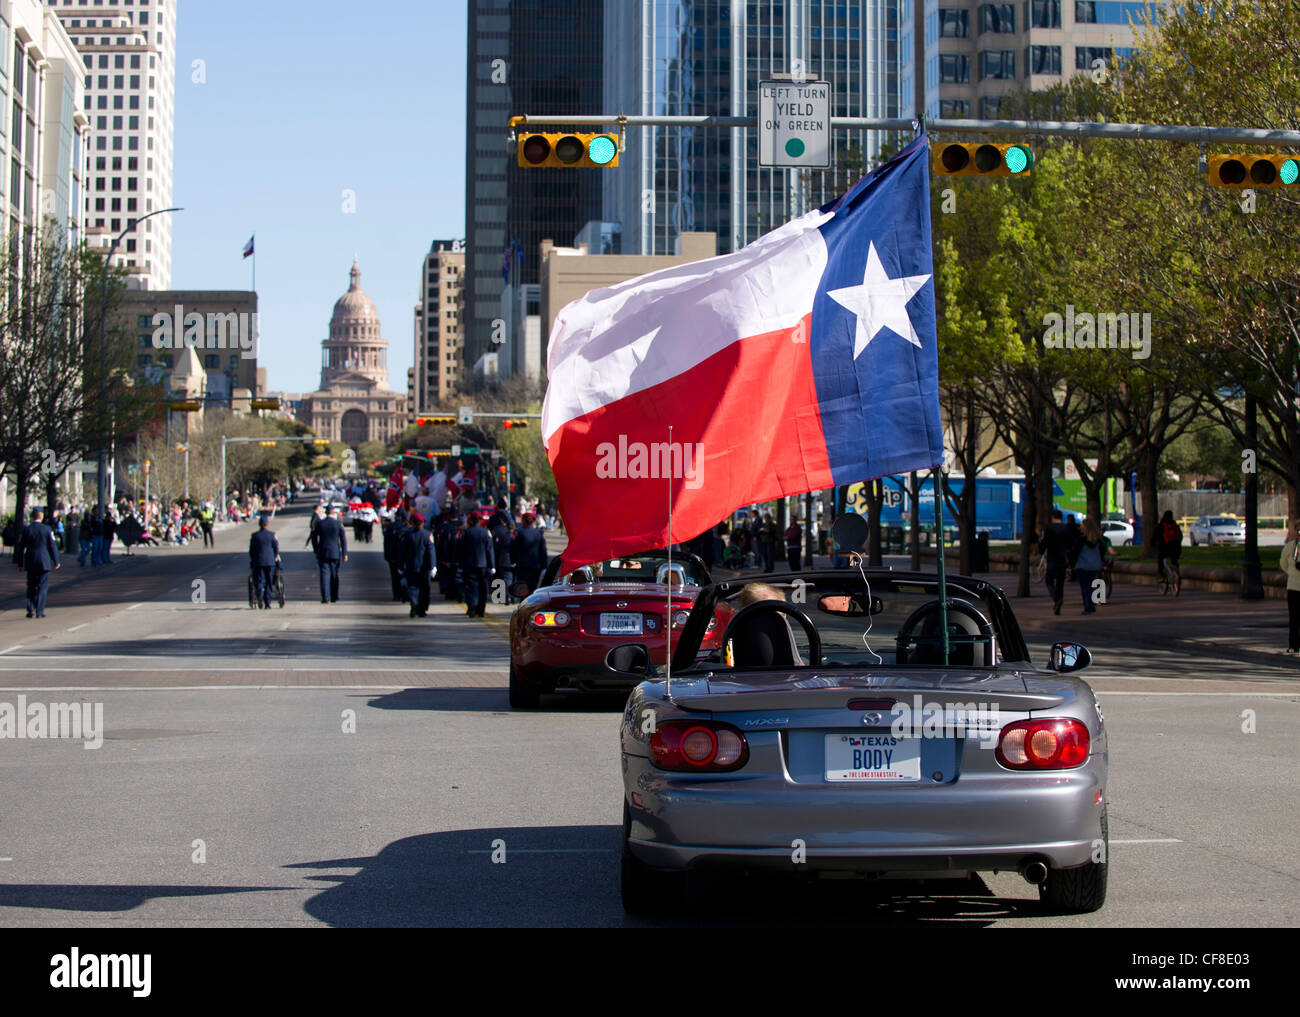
{"x": 354, "y": 403}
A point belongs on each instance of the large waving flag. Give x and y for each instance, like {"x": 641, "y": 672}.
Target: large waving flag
{"x": 805, "y": 360}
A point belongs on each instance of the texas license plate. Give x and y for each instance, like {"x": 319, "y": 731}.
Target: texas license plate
{"x": 872, "y": 757}
{"x": 620, "y": 624}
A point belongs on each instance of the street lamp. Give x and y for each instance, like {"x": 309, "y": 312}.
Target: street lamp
{"x": 102, "y": 478}
{"x": 186, "y": 449}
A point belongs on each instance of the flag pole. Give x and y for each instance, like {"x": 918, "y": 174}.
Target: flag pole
{"x": 668, "y": 614}
{"x": 943, "y": 575}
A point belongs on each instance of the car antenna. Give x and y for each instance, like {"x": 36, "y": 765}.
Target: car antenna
{"x": 668, "y": 613}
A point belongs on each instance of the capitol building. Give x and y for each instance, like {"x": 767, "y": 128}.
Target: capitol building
{"x": 354, "y": 404}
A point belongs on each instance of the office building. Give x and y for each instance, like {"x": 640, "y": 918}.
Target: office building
{"x": 438, "y": 361}
{"x": 129, "y": 49}
{"x": 663, "y": 57}
{"x": 525, "y": 57}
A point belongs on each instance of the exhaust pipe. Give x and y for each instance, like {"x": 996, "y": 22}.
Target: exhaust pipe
{"x": 1035, "y": 873}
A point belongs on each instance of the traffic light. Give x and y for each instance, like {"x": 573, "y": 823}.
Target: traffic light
{"x": 578, "y": 151}
{"x": 267, "y": 444}
{"x": 1254, "y": 170}
{"x": 502, "y": 469}
{"x": 185, "y": 406}
{"x": 983, "y": 160}
{"x": 320, "y": 441}
{"x": 265, "y": 404}
{"x": 514, "y": 423}
{"x": 447, "y": 421}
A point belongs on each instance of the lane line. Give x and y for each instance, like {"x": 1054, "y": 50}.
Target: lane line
{"x": 284, "y": 626}
{"x": 134, "y": 606}
{"x": 1280, "y": 694}
{"x": 17, "y": 646}
{"x": 1149, "y": 840}
{"x": 81, "y": 626}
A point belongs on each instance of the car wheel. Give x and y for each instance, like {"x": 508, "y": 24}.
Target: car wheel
{"x": 1128, "y": 543}
{"x": 1082, "y": 888}
{"x": 522, "y": 697}
{"x": 646, "y": 891}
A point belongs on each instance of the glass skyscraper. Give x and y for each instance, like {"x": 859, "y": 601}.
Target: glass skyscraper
{"x": 700, "y": 57}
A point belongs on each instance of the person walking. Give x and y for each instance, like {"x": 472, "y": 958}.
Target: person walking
{"x": 263, "y": 553}
{"x": 37, "y": 555}
{"x": 417, "y": 562}
{"x": 793, "y": 540}
{"x": 110, "y": 531}
{"x": 206, "y": 519}
{"x": 329, "y": 543}
{"x": 478, "y": 562}
{"x": 1087, "y": 562}
{"x": 72, "y": 534}
{"x": 767, "y": 542}
{"x": 1055, "y": 548}
{"x": 502, "y": 528}
{"x": 528, "y": 551}
{"x": 392, "y": 532}
{"x": 315, "y": 520}
{"x": 1290, "y": 565}
{"x": 97, "y": 536}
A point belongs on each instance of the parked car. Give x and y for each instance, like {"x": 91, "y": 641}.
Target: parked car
{"x": 811, "y": 730}
{"x": 1217, "y": 530}
{"x": 561, "y": 633}
{"x": 1119, "y": 532}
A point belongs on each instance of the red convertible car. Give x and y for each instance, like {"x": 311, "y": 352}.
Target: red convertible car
{"x": 560, "y": 635}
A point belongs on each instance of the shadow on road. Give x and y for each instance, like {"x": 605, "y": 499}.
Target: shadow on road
{"x": 569, "y": 876}
{"x": 495, "y": 701}
{"x": 87, "y": 897}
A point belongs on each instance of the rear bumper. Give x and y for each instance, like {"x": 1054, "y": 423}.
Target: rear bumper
{"x": 980, "y": 822}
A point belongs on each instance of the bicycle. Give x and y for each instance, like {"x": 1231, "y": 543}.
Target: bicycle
{"x": 1170, "y": 577}
{"x": 277, "y": 587}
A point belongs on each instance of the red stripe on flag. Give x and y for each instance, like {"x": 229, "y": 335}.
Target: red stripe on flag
{"x": 751, "y": 409}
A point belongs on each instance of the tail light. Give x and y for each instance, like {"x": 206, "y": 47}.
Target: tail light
{"x": 551, "y": 619}
{"x": 1043, "y": 744}
{"x": 698, "y": 746}
{"x": 679, "y": 618}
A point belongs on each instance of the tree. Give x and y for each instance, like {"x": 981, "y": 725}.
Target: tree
{"x": 66, "y": 387}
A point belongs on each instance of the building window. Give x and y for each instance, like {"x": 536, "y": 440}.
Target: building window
{"x": 990, "y": 107}
{"x": 997, "y": 63}
{"x": 954, "y": 109}
{"x": 211, "y": 361}
{"x": 1045, "y": 14}
{"x": 1085, "y": 55}
{"x": 1044, "y": 59}
{"x": 144, "y": 321}
{"x": 954, "y": 68}
{"x": 954, "y": 24}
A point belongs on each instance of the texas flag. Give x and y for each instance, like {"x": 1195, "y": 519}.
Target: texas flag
{"x": 805, "y": 360}
{"x": 248, "y": 247}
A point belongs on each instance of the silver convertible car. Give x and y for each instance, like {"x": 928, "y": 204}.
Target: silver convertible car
{"x": 825, "y": 735}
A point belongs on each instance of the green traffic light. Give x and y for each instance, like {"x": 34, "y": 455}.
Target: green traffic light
{"x": 602, "y": 149}
{"x": 1289, "y": 172}
{"x": 1019, "y": 158}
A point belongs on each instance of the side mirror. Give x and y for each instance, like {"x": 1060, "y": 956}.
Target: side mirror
{"x": 1068, "y": 657}
{"x": 630, "y": 658}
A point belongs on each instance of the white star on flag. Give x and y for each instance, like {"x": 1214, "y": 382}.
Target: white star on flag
{"x": 880, "y": 302}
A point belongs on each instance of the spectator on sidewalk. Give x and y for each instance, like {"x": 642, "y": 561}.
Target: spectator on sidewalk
{"x": 1055, "y": 550}
{"x": 72, "y": 534}
{"x": 793, "y": 540}
{"x": 1290, "y": 564}
{"x": 110, "y": 531}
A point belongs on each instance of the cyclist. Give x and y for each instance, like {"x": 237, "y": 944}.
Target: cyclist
{"x": 1169, "y": 542}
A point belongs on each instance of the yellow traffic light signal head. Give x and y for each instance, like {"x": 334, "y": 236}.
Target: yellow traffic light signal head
{"x": 435, "y": 421}
{"x": 1254, "y": 170}
{"x": 983, "y": 160}
{"x": 577, "y": 151}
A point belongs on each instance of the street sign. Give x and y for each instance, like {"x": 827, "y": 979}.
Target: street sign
{"x": 469, "y": 450}
{"x": 496, "y": 454}
{"x": 467, "y": 414}
{"x": 794, "y": 123}
{"x": 455, "y": 450}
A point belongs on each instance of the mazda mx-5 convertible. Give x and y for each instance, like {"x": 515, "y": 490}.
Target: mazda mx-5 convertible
{"x": 826, "y": 735}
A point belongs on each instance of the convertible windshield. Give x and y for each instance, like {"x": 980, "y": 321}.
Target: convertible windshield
{"x": 651, "y": 567}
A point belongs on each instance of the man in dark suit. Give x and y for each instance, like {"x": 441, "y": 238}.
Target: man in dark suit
{"x": 478, "y": 563}
{"x": 330, "y": 545}
{"x": 394, "y": 528}
{"x": 263, "y": 553}
{"x": 529, "y": 552}
{"x": 38, "y": 556}
{"x": 417, "y": 562}
{"x": 502, "y": 528}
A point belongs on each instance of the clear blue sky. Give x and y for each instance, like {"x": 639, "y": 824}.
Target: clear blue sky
{"x": 304, "y": 99}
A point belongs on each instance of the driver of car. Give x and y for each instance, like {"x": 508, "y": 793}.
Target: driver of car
{"x": 765, "y": 640}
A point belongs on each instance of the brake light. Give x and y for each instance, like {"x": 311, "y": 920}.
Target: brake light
{"x": 698, "y": 746}
{"x": 551, "y": 619}
{"x": 1043, "y": 744}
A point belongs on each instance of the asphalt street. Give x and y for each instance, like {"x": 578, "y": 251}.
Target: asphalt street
{"x": 344, "y": 765}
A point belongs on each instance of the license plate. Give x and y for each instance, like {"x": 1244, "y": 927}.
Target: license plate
{"x": 879, "y": 758}
{"x": 620, "y": 624}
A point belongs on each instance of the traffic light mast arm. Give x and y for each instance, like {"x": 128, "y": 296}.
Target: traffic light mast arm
{"x": 1144, "y": 132}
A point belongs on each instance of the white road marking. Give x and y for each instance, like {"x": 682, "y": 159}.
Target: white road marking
{"x": 81, "y": 626}
{"x": 6, "y": 859}
{"x": 553, "y": 851}
{"x": 1289, "y": 694}
{"x": 1150, "y": 840}
{"x": 134, "y": 606}
{"x": 17, "y": 646}
{"x": 284, "y": 626}
{"x": 261, "y": 649}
